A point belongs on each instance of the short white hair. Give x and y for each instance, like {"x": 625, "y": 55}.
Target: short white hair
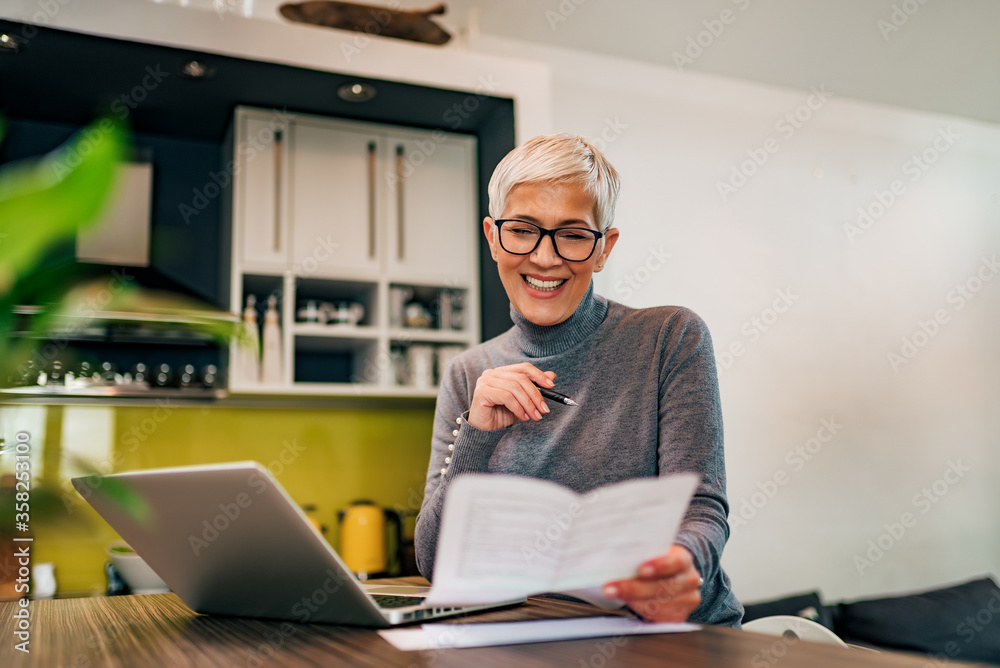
{"x": 559, "y": 158}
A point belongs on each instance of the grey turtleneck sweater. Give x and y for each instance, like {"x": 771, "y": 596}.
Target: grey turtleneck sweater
{"x": 646, "y": 383}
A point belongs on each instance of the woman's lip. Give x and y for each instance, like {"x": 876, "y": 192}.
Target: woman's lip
{"x": 543, "y": 294}
{"x": 547, "y": 278}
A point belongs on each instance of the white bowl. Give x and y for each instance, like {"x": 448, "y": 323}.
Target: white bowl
{"x": 136, "y": 573}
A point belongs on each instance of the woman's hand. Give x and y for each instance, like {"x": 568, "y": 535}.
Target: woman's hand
{"x": 507, "y": 394}
{"x": 668, "y": 588}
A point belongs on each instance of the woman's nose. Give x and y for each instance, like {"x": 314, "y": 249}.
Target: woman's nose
{"x": 545, "y": 254}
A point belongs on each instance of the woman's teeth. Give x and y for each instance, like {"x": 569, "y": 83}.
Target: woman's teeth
{"x": 543, "y": 285}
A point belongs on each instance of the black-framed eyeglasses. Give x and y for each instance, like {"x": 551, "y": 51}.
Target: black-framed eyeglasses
{"x": 573, "y": 244}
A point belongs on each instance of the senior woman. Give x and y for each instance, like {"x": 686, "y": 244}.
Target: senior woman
{"x": 645, "y": 380}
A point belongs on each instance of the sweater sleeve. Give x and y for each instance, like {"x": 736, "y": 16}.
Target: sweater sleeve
{"x": 456, "y": 447}
{"x": 691, "y": 439}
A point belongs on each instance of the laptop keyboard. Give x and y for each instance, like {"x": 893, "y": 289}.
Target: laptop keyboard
{"x": 396, "y": 601}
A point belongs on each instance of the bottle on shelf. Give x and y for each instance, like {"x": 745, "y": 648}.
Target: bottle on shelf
{"x": 246, "y": 368}
{"x": 270, "y": 371}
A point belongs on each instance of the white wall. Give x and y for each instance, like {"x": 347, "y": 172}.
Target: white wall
{"x": 849, "y": 300}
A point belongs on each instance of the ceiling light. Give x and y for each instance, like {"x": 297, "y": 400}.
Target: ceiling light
{"x": 197, "y": 69}
{"x": 10, "y": 43}
{"x": 356, "y": 92}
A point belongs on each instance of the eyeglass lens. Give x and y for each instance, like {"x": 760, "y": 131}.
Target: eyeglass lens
{"x": 573, "y": 244}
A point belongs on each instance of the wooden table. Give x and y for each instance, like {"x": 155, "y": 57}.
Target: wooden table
{"x": 159, "y": 630}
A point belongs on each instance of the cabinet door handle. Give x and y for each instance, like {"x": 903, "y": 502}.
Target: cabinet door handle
{"x": 400, "y": 201}
{"x": 372, "y": 175}
{"x": 277, "y": 190}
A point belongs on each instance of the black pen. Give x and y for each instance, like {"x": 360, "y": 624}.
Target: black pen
{"x": 555, "y": 396}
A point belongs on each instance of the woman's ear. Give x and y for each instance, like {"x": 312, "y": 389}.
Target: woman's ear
{"x": 610, "y": 239}
{"x": 489, "y": 229}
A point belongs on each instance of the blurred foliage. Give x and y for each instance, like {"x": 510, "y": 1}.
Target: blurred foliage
{"x": 44, "y": 202}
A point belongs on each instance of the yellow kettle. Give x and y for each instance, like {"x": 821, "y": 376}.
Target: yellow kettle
{"x": 365, "y": 540}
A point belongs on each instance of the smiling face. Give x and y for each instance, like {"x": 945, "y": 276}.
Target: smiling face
{"x": 542, "y": 286}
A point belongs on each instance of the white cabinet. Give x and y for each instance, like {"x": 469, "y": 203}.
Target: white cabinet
{"x": 260, "y": 229}
{"x": 334, "y": 195}
{"x": 370, "y": 228}
{"x": 431, "y": 211}
{"x": 365, "y": 201}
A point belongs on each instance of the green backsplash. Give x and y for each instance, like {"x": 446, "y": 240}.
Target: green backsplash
{"x": 323, "y": 457}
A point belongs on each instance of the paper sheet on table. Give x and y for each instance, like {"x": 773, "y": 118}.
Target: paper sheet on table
{"x": 441, "y": 636}
{"x": 502, "y": 537}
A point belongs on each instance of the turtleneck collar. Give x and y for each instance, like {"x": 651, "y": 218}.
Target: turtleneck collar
{"x": 541, "y": 340}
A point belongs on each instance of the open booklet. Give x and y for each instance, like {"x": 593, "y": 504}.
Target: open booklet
{"x": 503, "y": 536}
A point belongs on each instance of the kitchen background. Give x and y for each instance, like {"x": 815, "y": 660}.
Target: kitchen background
{"x": 325, "y": 458}
{"x": 836, "y": 224}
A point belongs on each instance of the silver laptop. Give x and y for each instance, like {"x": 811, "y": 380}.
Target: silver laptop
{"x": 229, "y": 540}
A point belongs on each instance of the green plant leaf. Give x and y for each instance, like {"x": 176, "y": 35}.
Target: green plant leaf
{"x": 120, "y": 493}
{"x": 46, "y": 200}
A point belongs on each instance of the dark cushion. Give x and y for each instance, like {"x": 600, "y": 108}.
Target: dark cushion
{"x": 809, "y": 606}
{"x": 958, "y": 622}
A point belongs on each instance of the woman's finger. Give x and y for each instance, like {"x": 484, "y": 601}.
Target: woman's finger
{"x": 675, "y": 610}
{"x": 522, "y": 391}
{"x": 518, "y": 381}
{"x": 662, "y": 589}
{"x": 526, "y": 370}
{"x": 509, "y": 393}
{"x": 673, "y": 563}
{"x": 499, "y": 403}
